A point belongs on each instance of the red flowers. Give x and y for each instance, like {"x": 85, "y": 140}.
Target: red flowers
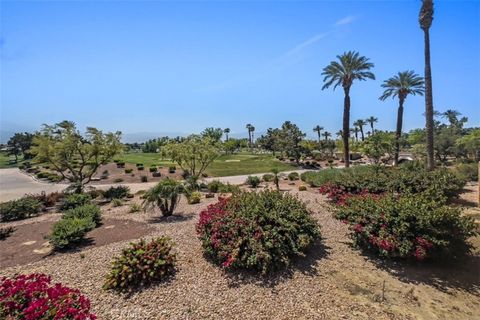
{"x": 339, "y": 195}
{"x": 32, "y": 297}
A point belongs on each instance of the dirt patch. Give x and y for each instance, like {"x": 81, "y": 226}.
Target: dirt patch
{"x": 28, "y": 244}
{"x": 135, "y": 176}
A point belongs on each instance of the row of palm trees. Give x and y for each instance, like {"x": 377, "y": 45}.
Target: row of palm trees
{"x": 351, "y": 66}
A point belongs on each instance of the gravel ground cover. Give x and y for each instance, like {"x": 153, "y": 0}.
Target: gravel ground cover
{"x": 334, "y": 281}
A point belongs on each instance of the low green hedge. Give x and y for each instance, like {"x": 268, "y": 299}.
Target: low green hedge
{"x": 20, "y": 209}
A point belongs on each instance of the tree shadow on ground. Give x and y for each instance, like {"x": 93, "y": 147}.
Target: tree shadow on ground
{"x": 177, "y": 217}
{"x": 444, "y": 275}
{"x": 304, "y": 264}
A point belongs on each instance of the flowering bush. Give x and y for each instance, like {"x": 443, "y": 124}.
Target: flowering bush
{"x": 142, "y": 263}
{"x": 260, "y": 231}
{"x": 406, "y": 226}
{"x": 33, "y": 297}
{"x": 339, "y": 194}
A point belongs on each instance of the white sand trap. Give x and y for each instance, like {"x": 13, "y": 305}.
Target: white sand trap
{"x": 232, "y": 160}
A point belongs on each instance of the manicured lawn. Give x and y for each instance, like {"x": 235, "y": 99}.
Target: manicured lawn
{"x": 5, "y": 158}
{"x": 225, "y": 165}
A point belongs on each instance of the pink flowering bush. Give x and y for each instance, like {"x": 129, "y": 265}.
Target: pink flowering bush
{"x": 339, "y": 194}
{"x": 34, "y": 297}
{"x": 406, "y": 226}
{"x": 260, "y": 231}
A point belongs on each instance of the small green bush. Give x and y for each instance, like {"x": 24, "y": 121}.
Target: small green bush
{"x": 90, "y": 211}
{"x": 292, "y": 176}
{"x": 75, "y": 200}
{"x": 68, "y": 232}
{"x": 143, "y": 178}
{"x": 139, "y": 165}
{"x": 467, "y": 171}
{"x": 253, "y": 181}
{"x": 141, "y": 264}
{"x": 129, "y": 170}
{"x": 194, "y": 197}
{"x": 140, "y": 168}
{"x": 6, "y": 232}
{"x": 117, "y": 203}
{"x": 214, "y": 186}
{"x": 135, "y": 207}
{"x": 153, "y": 169}
{"x": 119, "y": 192}
{"x": 42, "y": 175}
{"x": 268, "y": 177}
{"x": 172, "y": 169}
{"x": 118, "y": 180}
{"x": 22, "y": 208}
{"x": 302, "y": 188}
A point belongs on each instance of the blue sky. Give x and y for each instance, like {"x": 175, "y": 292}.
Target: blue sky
{"x": 178, "y": 67}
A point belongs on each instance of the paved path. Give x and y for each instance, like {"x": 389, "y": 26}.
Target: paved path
{"x": 15, "y": 184}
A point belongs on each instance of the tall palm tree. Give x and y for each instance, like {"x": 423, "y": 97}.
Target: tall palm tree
{"x": 360, "y": 123}
{"x": 226, "y": 131}
{"x": 326, "y": 135}
{"x": 371, "y": 120}
{"x": 349, "y": 67}
{"x": 249, "y": 128}
{"x": 425, "y": 19}
{"x": 401, "y": 85}
{"x": 318, "y": 130}
{"x": 339, "y": 133}
{"x": 355, "y": 132}
{"x": 252, "y": 129}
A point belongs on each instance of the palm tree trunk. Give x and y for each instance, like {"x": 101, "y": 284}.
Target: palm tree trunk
{"x": 429, "y": 104}
{"x": 361, "y": 133}
{"x": 398, "y": 133}
{"x": 319, "y": 135}
{"x": 371, "y": 125}
{"x": 346, "y": 127}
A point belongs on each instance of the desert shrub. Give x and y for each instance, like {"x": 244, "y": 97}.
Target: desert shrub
{"x": 135, "y": 207}
{"x": 68, "y": 232}
{"x": 406, "y": 226}
{"x": 141, "y": 264}
{"x": 140, "y": 168}
{"x": 253, "y": 181}
{"x": 292, "y": 176}
{"x": 194, "y": 197}
{"x": 411, "y": 178}
{"x": 467, "y": 171}
{"x": 119, "y": 192}
{"x": 48, "y": 200}
{"x": 214, "y": 186}
{"x": 156, "y": 174}
{"x": 90, "y": 211}
{"x": 143, "y": 179}
{"x": 302, "y": 188}
{"x": 118, "y": 180}
{"x": 229, "y": 188}
{"x": 153, "y": 169}
{"x": 75, "y": 200}
{"x": 6, "y": 232}
{"x": 172, "y": 169}
{"x": 19, "y": 209}
{"x": 260, "y": 231}
{"x": 129, "y": 170}
{"x": 96, "y": 193}
{"x": 267, "y": 177}
{"x": 165, "y": 195}
{"x": 139, "y": 165}
{"x": 35, "y": 297}
{"x": 120, "y": 164}
{"x": 53, "y": 177}
{"x": 117, "y": 203}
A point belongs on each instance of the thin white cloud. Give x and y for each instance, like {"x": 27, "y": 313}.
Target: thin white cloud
{"x": 298, "y": 48}
{"x": 345, "y": 20}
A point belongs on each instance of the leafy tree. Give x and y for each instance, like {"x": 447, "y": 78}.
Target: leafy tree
{"x": 193, "y": 155}
{"x": 379, "y": 145}
{"x": 214, "y": 134}
{"x": 326, "y": 135}
{"x": 401, "y": 85}
{"x": 231, "y": 145}
{"x": 75, "y": 157}
{"x": 290, "y": 137}
{"x": 452, "y": 117}
{"x": 471, "y": 143}
{"x": 318, "y": 130}
{"x": 349, "y": 67}
{"x": 371, "y": 120}
{"x": 425, "y": 19}
{"x": 20, "y": 143}
{"x": 360, "y": 124}
{"x": 445, "y": 143}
